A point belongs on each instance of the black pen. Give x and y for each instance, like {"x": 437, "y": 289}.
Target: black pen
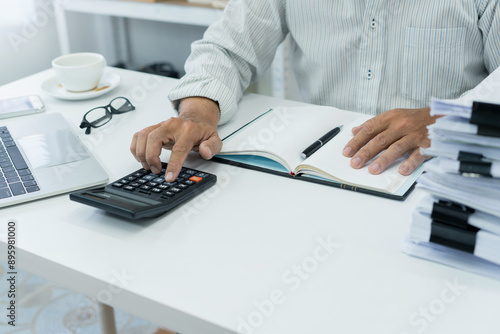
{"x": 320, "y": 142}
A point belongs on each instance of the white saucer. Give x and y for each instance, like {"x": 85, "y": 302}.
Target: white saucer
{"x": 108, "y": 82}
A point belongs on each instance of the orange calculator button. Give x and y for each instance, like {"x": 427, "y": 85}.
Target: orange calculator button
{"x": 196, "y": 178}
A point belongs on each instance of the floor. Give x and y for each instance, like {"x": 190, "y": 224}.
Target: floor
{"x": 46, "y": 308}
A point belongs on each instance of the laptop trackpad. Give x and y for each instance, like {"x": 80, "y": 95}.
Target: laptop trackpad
{"x": 52, "y": 148}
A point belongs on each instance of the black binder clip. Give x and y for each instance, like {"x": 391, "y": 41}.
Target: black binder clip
{"x": 487, "y": 118}
{"x": 469, "y": 156}
{"x": 475, "y": 168}
{"x": 450, "y": 226}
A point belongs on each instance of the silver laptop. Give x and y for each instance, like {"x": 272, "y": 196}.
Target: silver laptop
{"x": 41, "y": 156}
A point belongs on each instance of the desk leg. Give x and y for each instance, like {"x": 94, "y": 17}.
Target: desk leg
{"x": 107, "y": 319}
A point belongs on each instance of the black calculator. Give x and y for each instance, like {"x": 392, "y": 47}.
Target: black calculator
{"x": 143, "y": 194}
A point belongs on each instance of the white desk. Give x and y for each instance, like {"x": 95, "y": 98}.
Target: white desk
{"x": 224, "y": 255}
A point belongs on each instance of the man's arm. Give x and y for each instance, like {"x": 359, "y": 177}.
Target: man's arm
{"x": 194, "y": 129}
{"x": 232, "y": 54}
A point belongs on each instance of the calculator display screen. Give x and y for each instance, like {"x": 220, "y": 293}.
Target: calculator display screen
{"x": 116, "y": 200}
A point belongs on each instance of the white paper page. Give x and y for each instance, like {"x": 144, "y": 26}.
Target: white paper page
{"x": 288, "y": 131}
{"x": 455, "y": 124}
{"x": 487, "y": 91}
{"x": 452, "y": 149}
{"x": 487, "y": 244}
{"x": 451, "y": 136}
{"x": 446, "y": 165}
{"x": 483, "y": 201}
{"x": 390, "y": 179}
{"x": 472, "y": 185}
{"x": 451, "y": 257}
{"x": 478, "y": 219}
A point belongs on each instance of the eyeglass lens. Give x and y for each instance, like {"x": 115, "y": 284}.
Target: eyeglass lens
{"x": 121, "y": 104}
{"x": 98, "y": 116}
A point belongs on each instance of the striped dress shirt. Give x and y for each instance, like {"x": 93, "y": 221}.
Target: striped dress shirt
{"x": 362, "y": 55}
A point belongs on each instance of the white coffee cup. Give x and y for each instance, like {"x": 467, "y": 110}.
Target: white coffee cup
{"x": 79, "y": 72}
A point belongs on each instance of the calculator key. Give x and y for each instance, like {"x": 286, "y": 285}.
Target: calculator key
{"x": 152, "y": 184}
{"x": 156, "y": 190}
{"x": 17, "y": 188}
{"x": 175, "y": 190}
{"x": 138, "y": 174}
{"x": 135, "y": 184}
{"x": 195, "y": 178}
{"x": 163, "y": 186}
{"x": 145, "y": 187}
{"x": 123, "y": 181}
{"x": 32, "y": 189}
{"x": 202, "y": 174}
{"x": 158, "y": 180}
{"x": 184, "y": 176}
{"x": 142, "y": 181}
{"x": 182, "y": 186}
{"x": 190, "y": 172}
{"x": 129, "y": 188}
{"x": 149, "y": 177}
{"x": 117, "y": 185}
{"x": 130, "y": 178}
{"x": 168, "y": 194}
{"x": 189, "y": 182}
{"x": 170, "y": 184}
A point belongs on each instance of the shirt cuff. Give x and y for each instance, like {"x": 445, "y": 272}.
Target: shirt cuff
{"x": 206, "y": 87}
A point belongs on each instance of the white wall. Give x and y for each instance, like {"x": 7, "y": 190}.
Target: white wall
{"x": 29, "y": 41}
{"x": 28, "y": 38}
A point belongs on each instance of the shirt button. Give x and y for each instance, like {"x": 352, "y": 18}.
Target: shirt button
{"x": 369, "y": 74}
{"x": 373, "y": 24}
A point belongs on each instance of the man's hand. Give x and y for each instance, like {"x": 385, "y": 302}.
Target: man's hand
{"x": 194, "y": 129}
{"x": 397, "y": 131}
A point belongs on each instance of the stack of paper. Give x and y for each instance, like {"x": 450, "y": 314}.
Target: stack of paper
{"x": 458, "y": 223}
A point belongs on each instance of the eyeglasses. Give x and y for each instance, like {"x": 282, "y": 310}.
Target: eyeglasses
{"x": 99, "y": 116}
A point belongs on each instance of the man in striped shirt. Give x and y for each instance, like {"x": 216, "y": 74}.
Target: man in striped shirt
{"x": 380, "y": 57}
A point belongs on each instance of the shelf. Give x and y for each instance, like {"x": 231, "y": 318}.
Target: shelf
{"x": 167, "y": 11}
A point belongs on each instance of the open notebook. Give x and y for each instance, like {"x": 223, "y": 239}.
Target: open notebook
{"x": 273, "y": 142}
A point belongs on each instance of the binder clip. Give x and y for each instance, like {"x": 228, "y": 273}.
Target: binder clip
{"x": 487, "y": 118}
{"x": 450, "y": 226}
{"x": 473, "y": 165}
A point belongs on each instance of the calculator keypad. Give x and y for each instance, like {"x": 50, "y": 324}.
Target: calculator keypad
{"x": 150, "y": 185}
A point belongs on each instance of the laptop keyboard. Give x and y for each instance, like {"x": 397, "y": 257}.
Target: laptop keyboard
{"x": 15, "y": 176}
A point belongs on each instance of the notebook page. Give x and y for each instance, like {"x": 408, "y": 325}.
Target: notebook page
{"x": 286, "y": 132}
{"x": 330, "y": 160}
